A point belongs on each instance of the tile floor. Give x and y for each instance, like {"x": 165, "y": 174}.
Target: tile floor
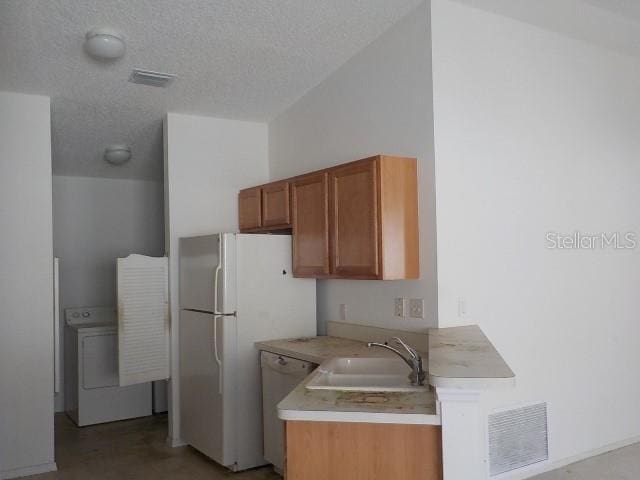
{"x": 133, "y": 449}
{"x": 136, "y": 450}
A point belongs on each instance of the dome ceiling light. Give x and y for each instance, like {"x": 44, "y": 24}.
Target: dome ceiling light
{"x": 104, "y": 44}
{"x": 117, "y": 154}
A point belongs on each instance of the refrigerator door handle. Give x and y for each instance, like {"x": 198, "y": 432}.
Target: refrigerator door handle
{"x": 215, "y": 290}
{"x": 215, "y": 351}
{"x": 216, "y": 276}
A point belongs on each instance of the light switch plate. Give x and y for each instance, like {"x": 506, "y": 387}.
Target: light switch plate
{"x": 343, "y": 311}
{"x": 416, "y": 308}
{"x": 462, "y": 307}
{"x": 399, "y": 307}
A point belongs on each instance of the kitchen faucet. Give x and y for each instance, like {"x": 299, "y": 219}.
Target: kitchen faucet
{"x": 414, "y": 360}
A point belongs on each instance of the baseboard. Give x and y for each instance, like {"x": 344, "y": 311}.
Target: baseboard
{"x": 534, "y": 470}
{"x": 175, "y": 442}
{"x": 26, "y": 471}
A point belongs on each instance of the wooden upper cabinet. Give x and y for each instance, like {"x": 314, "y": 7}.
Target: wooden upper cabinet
{"x": 354, "y": 220}
{"x": 275, "y": 205}
{"x": 374, "y": 219}
{"x": 310, "y": 206}
{"x": 250, "y": 208}
{"x": 398, "y": 217}
{"x": 357, "y": 220}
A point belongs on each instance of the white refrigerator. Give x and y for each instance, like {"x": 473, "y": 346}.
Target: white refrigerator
{"x": 235, "y": 290}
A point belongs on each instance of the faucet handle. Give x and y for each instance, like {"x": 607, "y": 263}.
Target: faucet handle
{"x": 408, "y": 348}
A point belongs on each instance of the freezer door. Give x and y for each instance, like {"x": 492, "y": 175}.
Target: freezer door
{"x": 207, "y": 273}
{"x": 199, "y": 259}
{"x": 207, "y": 388}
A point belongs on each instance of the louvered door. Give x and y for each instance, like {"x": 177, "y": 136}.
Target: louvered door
{"x": 143, "y": 319}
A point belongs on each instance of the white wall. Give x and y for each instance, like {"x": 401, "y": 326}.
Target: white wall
{"x": 26, "y": 288}
{"x": 207, "y": 160}
{"x": 536, "y": 132}
{"x": 378, "y": 102}
{"x": 95, "y": 221}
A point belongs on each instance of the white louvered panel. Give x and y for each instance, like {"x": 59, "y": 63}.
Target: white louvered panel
{"x": 143, "y": 319}
{"x": 518, "y": 438}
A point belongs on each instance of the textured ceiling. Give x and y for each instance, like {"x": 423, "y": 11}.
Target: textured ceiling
{"x": 241, "y": 59}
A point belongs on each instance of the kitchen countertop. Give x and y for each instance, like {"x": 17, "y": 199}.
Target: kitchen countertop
{"x": 368, "y": 407}
{"x": 336, "y": 406}
{"x": 458, "y": 357}
{"x": 464, "y": 358}
{"x": 319, "y": 349}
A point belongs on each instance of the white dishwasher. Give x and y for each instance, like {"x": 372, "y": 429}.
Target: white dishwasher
{"x": 280, "y": 375}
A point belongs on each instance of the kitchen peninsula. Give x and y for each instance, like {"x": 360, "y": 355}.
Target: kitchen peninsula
{"x": 398, "y": 434}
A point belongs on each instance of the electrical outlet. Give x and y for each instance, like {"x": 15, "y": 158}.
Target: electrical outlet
{"x": 399, "y": 307}
{"x": 343, "y": 311}
{"x": 416, "y": 308}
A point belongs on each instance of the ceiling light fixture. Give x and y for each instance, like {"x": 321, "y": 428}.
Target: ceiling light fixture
{"x": 117, "y": 154}
{"x": 104, "y": 43}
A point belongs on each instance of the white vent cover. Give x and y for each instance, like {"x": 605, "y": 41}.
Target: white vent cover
{"x": 517, "y": 438}
{"x": 153, "y": 79}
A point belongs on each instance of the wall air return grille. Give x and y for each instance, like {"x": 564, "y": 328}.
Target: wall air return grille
{"x": 153, "y": 79}
{"x": 518, "y": 438}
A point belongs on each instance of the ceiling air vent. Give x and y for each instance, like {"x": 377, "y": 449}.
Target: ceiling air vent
{"x": 518, "y": 438}
{"x": 153, "y": 79}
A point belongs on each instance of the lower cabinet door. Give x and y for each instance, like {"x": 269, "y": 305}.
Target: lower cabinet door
{"x": 362, "y": 451}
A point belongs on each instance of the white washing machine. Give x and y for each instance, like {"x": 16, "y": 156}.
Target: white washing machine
{"x": 91, "y": 370}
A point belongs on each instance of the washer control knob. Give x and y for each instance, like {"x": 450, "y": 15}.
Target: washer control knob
{"x": 75, "y": 315}
{"x": 85, "y": 314}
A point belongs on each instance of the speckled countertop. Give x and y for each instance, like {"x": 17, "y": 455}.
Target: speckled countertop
{"x": 319, "y": 349}
{"x": 370, "y": 407}
{"x": 326, "y": 405}
{"x": 463, "y": 357}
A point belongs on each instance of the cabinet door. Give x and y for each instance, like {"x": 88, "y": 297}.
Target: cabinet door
{"x": 310, "y": 205}
{"x": 250, "y": 208}
{"x": 354, "y": 220}
{"x": 275, "y": 205}
{"x": 362, "y": 451}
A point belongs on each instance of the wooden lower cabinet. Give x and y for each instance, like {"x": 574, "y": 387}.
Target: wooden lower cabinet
{"x": 362, "y": 451}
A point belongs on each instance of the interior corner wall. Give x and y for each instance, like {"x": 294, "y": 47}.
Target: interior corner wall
{"x": 26, "y": 290}
{"x": 378, "y": 102}
{"x": 207, "y": 160}
{"x": 537, "y": 133}
{"x": 95, "y": 221}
